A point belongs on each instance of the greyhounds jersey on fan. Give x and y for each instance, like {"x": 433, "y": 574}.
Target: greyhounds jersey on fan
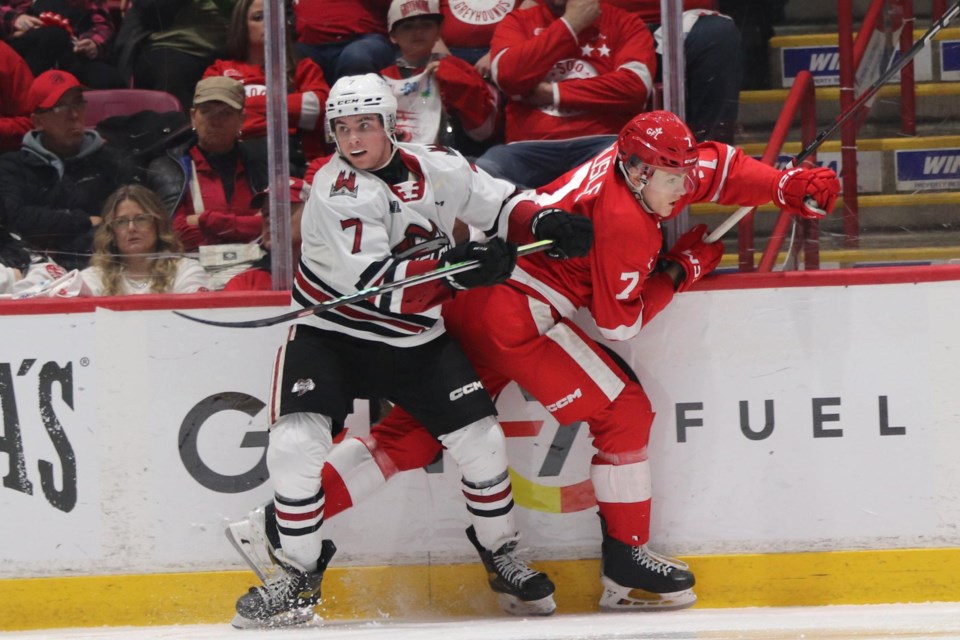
{"x": 359, "y": 232}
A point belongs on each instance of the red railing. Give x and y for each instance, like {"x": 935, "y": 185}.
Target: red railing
{"x": 802, "y": 98}
{"x": 851, "y": 55}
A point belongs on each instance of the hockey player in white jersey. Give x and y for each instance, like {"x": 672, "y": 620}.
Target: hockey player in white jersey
{"x": 380, "y": 211}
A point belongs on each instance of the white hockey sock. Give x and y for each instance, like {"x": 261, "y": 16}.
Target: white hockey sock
{"x": 299, "y": 444}
{"x": 480, "y": 452}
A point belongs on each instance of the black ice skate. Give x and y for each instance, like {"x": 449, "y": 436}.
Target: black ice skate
{"x": 521, "y": 591}
{"x": 635, "y": 578}
{"x": 289, "y": 593}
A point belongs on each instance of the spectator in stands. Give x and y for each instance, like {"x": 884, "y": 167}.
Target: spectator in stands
{"x": 345, "y": 37}
{"x": 755, "y": 20}
{"x": 713, "y": 66}
{"x": 71, "y": 35}
{"x": 306, "y": 88}
{"x": 136, "y": 250}
{"x": 259, "y": 277}
{"x": 168, "y": 44}
{"x": 55, "y": 185}
{"x": 468, "y": 26}
{"x": 207, "y": 185}
{"x": 15, "y": 81}
{"x": 438, "y": 96}
{"x": 574, "y": 74}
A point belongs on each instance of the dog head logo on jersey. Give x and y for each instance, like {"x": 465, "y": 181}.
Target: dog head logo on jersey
{"x": 420, "y": 242}
{"x": 345, "y": 185}
{"x": 301, "y": 386}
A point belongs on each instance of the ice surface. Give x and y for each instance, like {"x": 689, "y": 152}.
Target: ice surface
{"x": 903, "y": 622}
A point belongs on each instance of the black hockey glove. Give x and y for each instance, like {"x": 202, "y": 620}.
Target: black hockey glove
{"x": 497, "y": 259}
{"x": 572, "y": 234}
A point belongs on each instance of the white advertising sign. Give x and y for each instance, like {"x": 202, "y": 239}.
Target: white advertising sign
{"x": 787, "y": 420}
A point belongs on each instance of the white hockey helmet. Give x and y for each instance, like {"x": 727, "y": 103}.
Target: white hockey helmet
{"x": 354, "y": 95}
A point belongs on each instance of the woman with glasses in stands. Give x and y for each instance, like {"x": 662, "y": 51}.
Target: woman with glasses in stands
{"x": 136, "y": 250}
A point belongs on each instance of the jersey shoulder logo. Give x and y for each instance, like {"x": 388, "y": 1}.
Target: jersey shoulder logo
{"x": 409, "y": 191}
{"x": 345, "y": 185}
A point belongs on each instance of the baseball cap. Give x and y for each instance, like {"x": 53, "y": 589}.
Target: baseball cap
{"x": 403, "y": 9}
{"x": 299, "y": 192}
{"x": 219, "y": 89}
{"x": 49, "y": 87}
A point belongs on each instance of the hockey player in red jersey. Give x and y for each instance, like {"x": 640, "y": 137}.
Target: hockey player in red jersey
{"x": 522, "y": 331}
{"x": 652, "y": 172}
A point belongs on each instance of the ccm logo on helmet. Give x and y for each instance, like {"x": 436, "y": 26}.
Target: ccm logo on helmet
{"x": 456, "y": 394}
{"x": 562, "y": 402}
{"x": 655, "y": 133}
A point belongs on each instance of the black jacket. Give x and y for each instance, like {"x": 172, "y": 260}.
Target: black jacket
{"x": 51, "y": 209}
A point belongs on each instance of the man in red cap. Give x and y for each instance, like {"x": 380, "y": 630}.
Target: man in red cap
{"x": 54, "y": 186}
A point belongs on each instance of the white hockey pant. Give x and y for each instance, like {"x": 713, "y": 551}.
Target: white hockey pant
{"x": 299, "y": 445}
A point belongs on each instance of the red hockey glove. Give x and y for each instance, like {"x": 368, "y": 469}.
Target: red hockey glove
{"x": 694, "y": 256}
{"x": 572, "y": 234}
{"x": 808, "y": 192}
{"x": 497, "y": 259}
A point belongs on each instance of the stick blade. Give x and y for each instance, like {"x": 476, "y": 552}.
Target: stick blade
{"x": 240, "y": 324}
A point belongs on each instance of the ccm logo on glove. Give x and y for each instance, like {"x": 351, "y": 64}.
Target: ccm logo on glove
{"x": 808, "y": 192}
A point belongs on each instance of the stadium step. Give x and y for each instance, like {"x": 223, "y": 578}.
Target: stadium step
{"x": 818, "y": 53}
{"x": 937, "y": 102}
{"x": 905, "y": 212}
{"x": 865, "y": 256}
{"x": 889, "y": 165}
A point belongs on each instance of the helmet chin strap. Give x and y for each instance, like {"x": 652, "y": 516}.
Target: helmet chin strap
{"x": 637, "y": 190}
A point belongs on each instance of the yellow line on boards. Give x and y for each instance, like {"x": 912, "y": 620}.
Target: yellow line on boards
{"x": 440, "y": 591}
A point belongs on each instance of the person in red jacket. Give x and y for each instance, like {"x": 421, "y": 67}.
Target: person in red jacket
{"x": 654, "y": 170}
{"x": 436, "y": 94}
{"x": 208, "y": 184}
{"x": 15, "y": 81}
{"x": 468, "y": 27}
{"x": 307, "y": 89}
{"x": 713, "y": 65}
{"x": 575, "y": 71}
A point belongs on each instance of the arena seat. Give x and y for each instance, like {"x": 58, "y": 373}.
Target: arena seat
{"x": 104, "y": 103}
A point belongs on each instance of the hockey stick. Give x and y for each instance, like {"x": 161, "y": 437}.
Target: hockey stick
{"x": 867, "y": 95}
{"x": 363, "y": 294}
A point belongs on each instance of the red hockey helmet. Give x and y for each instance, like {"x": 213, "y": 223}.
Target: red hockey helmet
{"x": 659, "y": 139}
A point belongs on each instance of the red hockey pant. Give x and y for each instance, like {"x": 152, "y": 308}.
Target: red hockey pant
{"x": 510, "y": 336}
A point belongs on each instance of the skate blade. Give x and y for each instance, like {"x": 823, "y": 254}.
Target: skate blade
{"x": 517, "y": 607}
{"x": 618, "y": 598}
{"x": 253, "y": 547}
{"x": 294, "y": 618}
